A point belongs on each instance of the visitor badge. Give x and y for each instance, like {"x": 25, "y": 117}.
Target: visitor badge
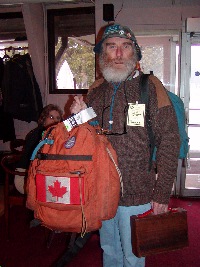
{"x": 136, "y": 113}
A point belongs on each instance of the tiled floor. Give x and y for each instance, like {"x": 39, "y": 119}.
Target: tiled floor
{"x": 1, "y": 200}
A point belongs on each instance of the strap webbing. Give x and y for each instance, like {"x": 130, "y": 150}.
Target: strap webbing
{"x": 41, "y": 143}
{"x": 45, "y": 141}
{"x": 44, "y": 156}
{"x": 144, "y": 98}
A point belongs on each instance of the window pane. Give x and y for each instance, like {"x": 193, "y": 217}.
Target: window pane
{"x": 72, "y": 60}
{"x": 75, "y": 68}
{"x": 194, "y": 116}
{"x": 159, "y": 54}
{"x": 195, "y": 77}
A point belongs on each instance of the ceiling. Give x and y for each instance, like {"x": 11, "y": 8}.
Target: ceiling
{"x": 11, "y": 2}
{"x": 11, "y": 29}
{"x": 12, "y": 26}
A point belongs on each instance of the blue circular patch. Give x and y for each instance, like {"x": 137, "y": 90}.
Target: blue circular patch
{"x": 70, "y": 142}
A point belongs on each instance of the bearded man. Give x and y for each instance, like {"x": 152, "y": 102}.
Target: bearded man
{"x": 113, "y": 101}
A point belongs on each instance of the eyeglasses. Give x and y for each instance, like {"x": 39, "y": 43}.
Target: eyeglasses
{"x": 109, "y": 132}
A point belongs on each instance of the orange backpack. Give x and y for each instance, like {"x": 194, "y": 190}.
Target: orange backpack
{"x": 74, "y": 182}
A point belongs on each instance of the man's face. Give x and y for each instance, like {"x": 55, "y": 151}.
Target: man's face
{"x": 117, "y": 60}
{"x": 118, "y": 50}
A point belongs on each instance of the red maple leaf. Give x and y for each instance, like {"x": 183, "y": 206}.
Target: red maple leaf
{"x": 56, "y": 190}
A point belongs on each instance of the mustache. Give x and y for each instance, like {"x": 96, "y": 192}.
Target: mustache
{"x": 111, "y": 73}
{"x": 118, "y": 61}
{"x": 112, "y": 62}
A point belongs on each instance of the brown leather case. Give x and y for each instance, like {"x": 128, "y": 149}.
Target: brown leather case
{"x": 154, "y": 234}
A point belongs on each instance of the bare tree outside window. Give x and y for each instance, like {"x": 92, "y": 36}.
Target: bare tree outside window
{"x": 71, "y": 35}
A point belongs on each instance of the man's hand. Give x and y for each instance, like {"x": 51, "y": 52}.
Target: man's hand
{"x": 77, "y": 105}
{"x": 159, "y": 208}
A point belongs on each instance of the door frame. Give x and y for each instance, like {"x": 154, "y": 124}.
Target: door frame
{"x": 185, "y": 73}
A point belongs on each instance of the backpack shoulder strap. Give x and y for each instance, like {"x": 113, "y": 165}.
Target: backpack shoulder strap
{"x": 144, "y": 89}
{"x": 144, "y": 99}
{"x": 44, "y": 141}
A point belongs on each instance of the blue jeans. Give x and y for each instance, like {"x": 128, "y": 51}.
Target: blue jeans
{"x": 115, "y": 238}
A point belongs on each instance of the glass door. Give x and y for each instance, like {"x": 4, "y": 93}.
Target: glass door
{"x": 190, "y": 169}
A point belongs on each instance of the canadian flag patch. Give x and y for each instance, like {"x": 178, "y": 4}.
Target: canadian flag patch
{"x": 65, "y": 190}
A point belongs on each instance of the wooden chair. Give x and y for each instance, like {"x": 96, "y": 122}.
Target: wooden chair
{"x": 11, "y": 196}
{"x": 17, "y": 146}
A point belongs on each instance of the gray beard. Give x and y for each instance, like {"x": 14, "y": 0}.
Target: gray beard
{"x": 115, "y": 75}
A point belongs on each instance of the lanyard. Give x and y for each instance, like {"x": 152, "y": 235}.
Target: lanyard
{"x": 116, "y": 87}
